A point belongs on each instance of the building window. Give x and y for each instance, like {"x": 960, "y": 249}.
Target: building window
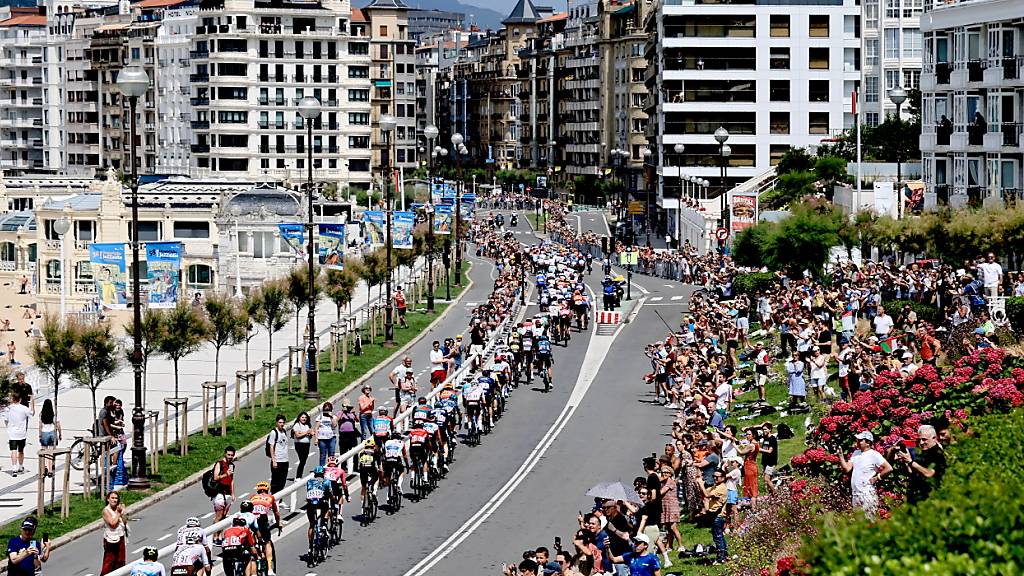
{"x": 892, "y": 42}
{"x": 911, "y": 79}
{"x": 871, "y": 88}
{"x": 892, "y": 9}
{"x": 871, "y": 52}
{"x": 384, "y": 31}
{"x": 200, "y": 276}
{"x": 817, "y": 122}
{"x": 776, "y": 152}
{"x": 358, "y": 71}
{"x": 818, "y": 26}
{"x": 871, "y": 13}
{"x": 779, "y": 58}
{"x": 779, "y": 91}
{"x": 817, "y": 90}
{"x": 191, "y": 229}
{"x": 912, "y": 43}
{"x": 359, "y": 95}
{"x": 359, "y": 118}
{"x": 892, "y": 79}
{"x": 817, "y": 58}
{"x": 779, "y": 122}
{"x": 780, "y": 26}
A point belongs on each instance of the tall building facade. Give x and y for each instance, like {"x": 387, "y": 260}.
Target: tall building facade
{"x": 891, "y": 54}
{"x": 972, "y": 102}
{"x": 22, "y": 67}
{"x": 393, "y": 70}
{"x": 774, "y": 75}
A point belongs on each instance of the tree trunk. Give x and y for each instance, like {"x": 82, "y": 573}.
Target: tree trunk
{"x": 177, "y": 436}
{"x": 56, "y": 389}
{"x": 216, "y": 364}
{"x": 247, "y": 354}
{"x": 298, "y": 342}
{"x": 270, "y": 353}
{"x": 95, "y": 413}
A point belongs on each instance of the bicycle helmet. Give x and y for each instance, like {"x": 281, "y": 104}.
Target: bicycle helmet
{"x": 318, "y": 471}
{"x": 332, "y": 461}
{"x": 192, "y": 522}
{"x": 236, "y": 520}
{"x": 371, "y": 443}
{"x": 150, "y": 554}
{"x": 246, "y": 507}
{"x": 263, "y": 486}
{"x": 418, "y": 425}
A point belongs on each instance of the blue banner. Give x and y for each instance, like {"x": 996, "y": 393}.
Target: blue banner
{"x": 402, "y": 224}
{"x": 373, "y": 227}
{"x": 294, "y": 235}
{"x": 110, "y": 273}
{"x": 443, "y": 221}
{"x": 331, "y": 245}
{"x": 163, "y": 264}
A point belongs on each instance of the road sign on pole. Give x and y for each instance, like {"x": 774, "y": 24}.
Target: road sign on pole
{"x": 722, "y": 234}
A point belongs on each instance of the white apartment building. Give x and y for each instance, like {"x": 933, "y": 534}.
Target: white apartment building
{"x": 393, "y": 71}
{"x": 973, "y": 102}
{"x": 891, "y": 54}
{"x": 252, "y": 61}
{"x": 171, "y": 47}
{"x": 22, "y": 42}
{"x": 774, "y": 75}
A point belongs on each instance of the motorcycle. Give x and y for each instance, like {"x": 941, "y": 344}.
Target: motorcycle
{"x": 514, "y": 221}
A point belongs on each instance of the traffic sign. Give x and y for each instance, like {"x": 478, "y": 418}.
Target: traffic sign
{"x": 722, "y": 233}
{"x": 629, "y": 258}
{"x": 636, "y": 207}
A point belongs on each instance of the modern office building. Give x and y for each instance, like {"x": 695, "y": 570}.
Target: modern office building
{"x": 972, "y": 102}
{"x": 890, "y": 54}
{"x": 774, "y": 74}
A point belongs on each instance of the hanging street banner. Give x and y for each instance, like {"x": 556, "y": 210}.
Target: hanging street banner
{"x": 402, "y": 224}
{"x": 163, "y": 267}
{"x": 294, "y": 235}
{"x": 373, "y": 227}
{"x": 331, "y": 245}
{"x": 110, "y": 274}
{"x": 468, "y": 205}
{"x": 443, "y": 219}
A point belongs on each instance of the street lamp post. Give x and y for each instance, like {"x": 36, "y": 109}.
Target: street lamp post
{"x": 387, "y": 125}
{"x": 459, "y": 149}
{"x": 133, "y": 82}
{"x": 721, "y": 136}
{"x": 309, "y": 109}
{"x": 647, "y": 154}
{"x": 898, "y": 96}
{"x": 431, "y": 133}
{"x": 679, "y": 149}
{"x": 61, "y": 227}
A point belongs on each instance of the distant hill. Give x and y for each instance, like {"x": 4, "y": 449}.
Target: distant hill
{"x": 18, "y": 3}
{"x": 483, "y": 17}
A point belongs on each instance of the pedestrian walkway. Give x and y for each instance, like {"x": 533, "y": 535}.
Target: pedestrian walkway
{"x": 75, "y": 404}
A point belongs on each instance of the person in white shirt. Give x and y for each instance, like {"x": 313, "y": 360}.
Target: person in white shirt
{"x": 866, "y": 466}
{"x": 882, "y": 324}
{"x": 16, "y": 419}
{"x": 723, "y": 396}
{"x": 991, "y": 275}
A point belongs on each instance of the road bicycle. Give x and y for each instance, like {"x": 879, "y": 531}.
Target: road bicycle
{"x": 318, "y": 544}
{"x": 473, "y": 431}
{"x": 369, "y": 506}
{"x": 419, "y": 483}
{"x": 547, "y": 379}
{"x": 335, "y": 527}
{"x": 394, "y": 492}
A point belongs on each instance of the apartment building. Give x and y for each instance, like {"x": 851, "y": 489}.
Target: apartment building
{"x": 252, "y": 62}
{"x": 774, "y": 75}
{"x": 624, "y": 94}
{"x": 539, "y": 93}
{"x": 435, "y": 56}
{"x": 972, "y": 102}
{"x": 393, "y": 69}
{"x": 424, "y": 23}
{"x": 891, "y": 54}
{"x": 171, "y": 47}
{"x": 22, "y": 47}
{"x": 582, "y": 88}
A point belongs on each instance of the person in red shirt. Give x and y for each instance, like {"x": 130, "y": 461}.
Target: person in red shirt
{"x": 224, "y": 476}
{"x": 400, "y": 306}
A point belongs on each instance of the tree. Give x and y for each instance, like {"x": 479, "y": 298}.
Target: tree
{"x": 799, "y": 242}
{"x": 249, "y": 311}
{"x": 375, "y": 270}
{"x": 790, "y": 187}
{"x": 830, "y": 170}
{"x": 272, "y": 310}
{"x": 96, "y": 358}
{"x": 226, "y": 325}
{"x": 152, "y": 333}
{"x": 340, "y": 286}
{"x": 54, "y": 354}
{"x": 794, "y": 160}
{"x": 185, "y": 331}
{"x": 299, "y": 294}
{"x": 750, "y": 246}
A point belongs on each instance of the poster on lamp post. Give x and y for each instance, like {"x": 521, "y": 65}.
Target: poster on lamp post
{"x": 443, "y": 219}
{"x": 373, "y": 227}
{"x": 294, "y": 236}
{"x": 743, "y": 212}
{"x": 110, "y": 274}
{"x": 163, "y": 265}
{"x": 331, "y": 245}
{"x": 402, "y": 224}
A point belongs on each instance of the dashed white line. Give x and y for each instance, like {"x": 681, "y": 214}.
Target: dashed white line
{"x": 677, "y": 298}
{"x": 164, "y": 537}
{"x": 668, "y": 286}
{"x": 657, "y": 298}
{"x": 243, "y": 495}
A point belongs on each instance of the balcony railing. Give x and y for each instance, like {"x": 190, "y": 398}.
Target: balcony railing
{"x": 200, "y": 124}
{"x": 1010, "y": 70}
{"x": 200, "y": 148}
{"x": 942, "y": 72}
{"x": 975, "y": 70}
{"x": 1011, "y": 133}
{"x": 200, "y": 101}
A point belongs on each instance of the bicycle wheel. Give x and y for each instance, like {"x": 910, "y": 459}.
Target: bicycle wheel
{"x": 366, "y": 508}
{"x": 78, "y": 454}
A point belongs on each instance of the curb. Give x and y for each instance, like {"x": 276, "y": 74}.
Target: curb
{"x": 181, "y": 485}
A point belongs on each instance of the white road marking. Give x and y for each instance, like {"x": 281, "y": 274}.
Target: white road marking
{"x": 164, "y": 537}
{"x": 677, "y": 298}
{"x": 668, "y": 286}
{"x": 640, "y": 288}
{"x": 596, "y": 353}
{"x": 657, "y": 298}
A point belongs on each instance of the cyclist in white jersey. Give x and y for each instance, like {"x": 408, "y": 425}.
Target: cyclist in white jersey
{"x": 148, "y": 566}
{"x": 192, "y": 527}
{"x": 192, "y": 555}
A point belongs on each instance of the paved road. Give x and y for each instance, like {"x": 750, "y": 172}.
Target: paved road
{"x": 156, "y": 525}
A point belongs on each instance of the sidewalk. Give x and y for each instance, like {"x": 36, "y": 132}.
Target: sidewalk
{"x": 75, "y": 404}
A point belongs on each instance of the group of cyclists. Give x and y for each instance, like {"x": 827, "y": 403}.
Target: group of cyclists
{"x": 425, "y": 448}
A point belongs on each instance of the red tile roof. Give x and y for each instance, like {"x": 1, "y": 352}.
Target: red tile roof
{"x": 554, "y": 18}
{"x": 25, "y": 20}
{"x": 358, "y": 15}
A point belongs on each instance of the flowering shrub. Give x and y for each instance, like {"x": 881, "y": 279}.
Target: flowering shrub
{"x": 985, "y": 381}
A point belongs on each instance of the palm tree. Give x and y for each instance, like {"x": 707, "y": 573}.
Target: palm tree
{"x": 185, "y": 332}
{"x": 152, "y": 333}
{"x": 273, "y": 310}
{"x": 54, "y": 354}
{"x": 96, "y": 358}
{"x": 226, "y": 325}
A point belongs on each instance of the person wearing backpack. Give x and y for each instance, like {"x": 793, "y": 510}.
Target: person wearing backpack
{"x": 219, "y": 485}
{"x": 276, "y": 449}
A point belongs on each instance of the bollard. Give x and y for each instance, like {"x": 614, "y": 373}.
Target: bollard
{"x": 344, "y": 350}
{"x": 264, "y": 384}
{"x": 154, "y": 437}
{"x": 302, "y": 369}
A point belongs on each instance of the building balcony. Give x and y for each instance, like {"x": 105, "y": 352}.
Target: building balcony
{"x": 198, "y": 54}
{"x": 200, "y": 148}
{"x": 943, "y": 71}
{"x": 976, "y": 70}
{"x": 200, "y": 101}
{"x": 199, "y": 77}
{"x": 200, "y": 124}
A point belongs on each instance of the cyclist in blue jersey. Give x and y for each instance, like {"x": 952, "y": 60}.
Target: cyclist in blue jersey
{"x": 543, "y": 354}
{"x": 148, "y": 566}
{"x": 318, "y": 500}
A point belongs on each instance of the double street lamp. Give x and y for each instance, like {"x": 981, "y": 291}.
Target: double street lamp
{"x": 460, "y": 150}
{"x": 679, "y": 148}
{"x": 309, "y": 109}
{"x": 387, "y": 125}
{"x": 431, "y": 133}
{"x": 133, "y": 82}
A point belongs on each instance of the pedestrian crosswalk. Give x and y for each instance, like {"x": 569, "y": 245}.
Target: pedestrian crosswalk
{"x": 660, "y": 298}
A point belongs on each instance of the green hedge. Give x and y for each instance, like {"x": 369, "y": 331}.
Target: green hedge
{"x": 1015, "y": 313}
{"x": 925, "y": 312}
{"x": 752, "y": 282}
{"x": 972, "y": 524}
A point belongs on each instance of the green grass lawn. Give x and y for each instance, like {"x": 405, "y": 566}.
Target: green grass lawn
{"x": 535, "y": 221}
{"x": 204, "y": 450}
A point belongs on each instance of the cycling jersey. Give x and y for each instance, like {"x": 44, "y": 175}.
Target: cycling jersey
{"x": 418, "y": 437}
{"x": 440, "y": 415}
{"x": 190, "y": 555}
{"x": 367, "y": 459}
{"x": 262, "y": 504}
{"x": 184, "y": 532}
{"x": 146, "y": 568}
{"x": 486, "y": 383}
{"x": 381, "y": 425}
{"x": 237, "y": 538}
{"x": 393, "y": 449}
{"x": 317, "y": 489}
{"x": 474, "y": 395}
{"x": 420, "y": 413}
{"x": 334, "y": 474}
{"x": 527, "y": 344}
{"x": 431, "y": 428}
{"x": 544, "y": 347}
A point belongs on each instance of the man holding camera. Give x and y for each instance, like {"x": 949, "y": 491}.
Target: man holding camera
{"x": 24, "y": 552}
